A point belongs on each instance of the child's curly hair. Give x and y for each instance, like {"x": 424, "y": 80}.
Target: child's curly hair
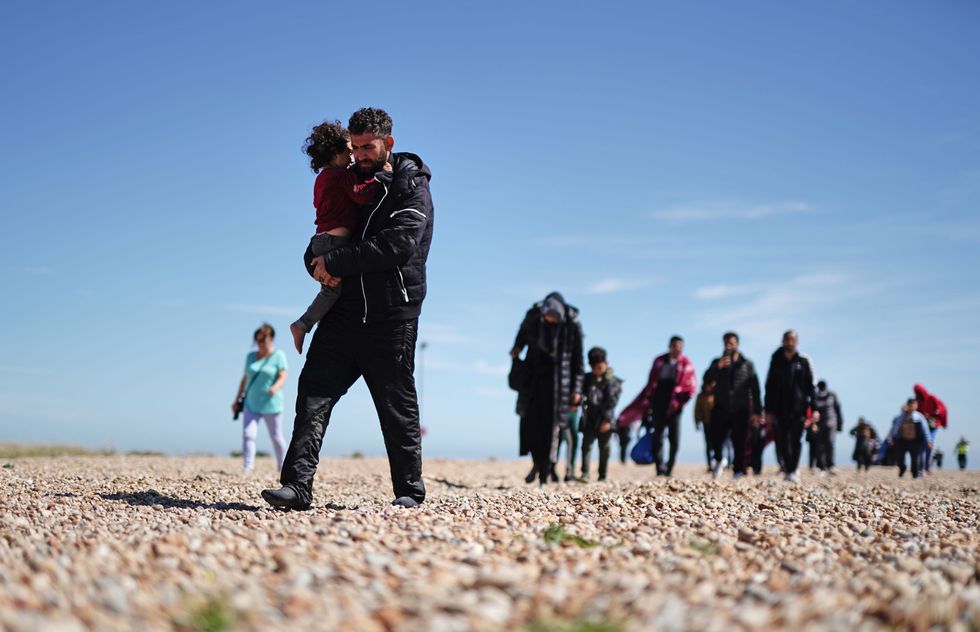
{"x": 325, "y": 141}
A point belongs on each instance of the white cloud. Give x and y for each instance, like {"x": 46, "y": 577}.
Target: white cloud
{"x": 768, "y": 309}
{"x": 476, "y": 367}
{"x": 440, "y": 333}
{"x": 616, "y": 285}
{"x": 268, "y": 310}
{"x": 727, "y": 210}
{"x": 716, "y": 292}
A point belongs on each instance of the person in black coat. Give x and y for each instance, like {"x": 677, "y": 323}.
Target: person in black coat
{"x": 551, "y": 386}
{"x": 790, "y": 393}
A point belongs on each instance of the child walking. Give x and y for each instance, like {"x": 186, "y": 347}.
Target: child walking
{"x": 337, "y": 194}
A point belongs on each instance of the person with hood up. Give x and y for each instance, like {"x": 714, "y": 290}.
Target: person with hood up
{"x": 934, "y": 410}
{"x": 671, "y": 384}
{"x": 601, "y": 391}
{"x": 552, "y": 384}
{"x": 789, "y": 396}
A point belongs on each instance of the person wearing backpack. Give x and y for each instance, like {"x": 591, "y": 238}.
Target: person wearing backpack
{"x": 909, "y": 434}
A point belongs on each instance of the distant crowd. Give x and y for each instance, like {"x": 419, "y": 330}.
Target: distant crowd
{"x": 558, "y": 400}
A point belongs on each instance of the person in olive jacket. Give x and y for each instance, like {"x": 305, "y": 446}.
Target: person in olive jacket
{"x": 790, "y": 393}
{"x": 600, "y": 394}
{"x": 737, "y": 404}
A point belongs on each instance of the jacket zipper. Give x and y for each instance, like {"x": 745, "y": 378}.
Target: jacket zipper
{"x": 363, "y": 234}
{"x": 401, "y": 283}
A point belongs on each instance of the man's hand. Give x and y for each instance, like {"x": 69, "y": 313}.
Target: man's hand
{"x": 576, "y": 398}
{"x": 320, "y": 272}
{"x": 605, "y": 426}
{"x": 515, "y": 352}
{"x": 724, "y": 362}
{"x": 272, "y": 391}
{"x": 755, "y": 420}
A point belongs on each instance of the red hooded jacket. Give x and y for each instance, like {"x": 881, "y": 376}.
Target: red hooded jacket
{"x": 685, "y": 386}
{"x": 930, "y": 405}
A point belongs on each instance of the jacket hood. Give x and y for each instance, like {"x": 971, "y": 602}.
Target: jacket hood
{"x": 405, "y": 167}
{"x": 920, "y": 390}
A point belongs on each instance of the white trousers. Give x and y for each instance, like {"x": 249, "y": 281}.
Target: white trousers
{"x": 250, "y": 429}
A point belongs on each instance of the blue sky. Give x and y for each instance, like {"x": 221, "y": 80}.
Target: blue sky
{"x": 670, "y": 167}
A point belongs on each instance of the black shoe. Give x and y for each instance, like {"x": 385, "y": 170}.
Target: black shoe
{"x": 533, "y": 474}
{"x": 554, "y": 474}
{"x": 284, "y": 498}
{"x": 405, "y": 501}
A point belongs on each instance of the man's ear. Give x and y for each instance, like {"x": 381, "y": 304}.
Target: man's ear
{"x": 389, "y": 142}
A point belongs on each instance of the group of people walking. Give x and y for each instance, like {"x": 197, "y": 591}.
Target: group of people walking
{"x": 557, "y": 398}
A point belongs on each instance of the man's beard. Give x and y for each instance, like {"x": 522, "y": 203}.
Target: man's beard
{"x": 368, "y": 169}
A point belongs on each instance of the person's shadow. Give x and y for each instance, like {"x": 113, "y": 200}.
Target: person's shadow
{"x": 152, "y": 497}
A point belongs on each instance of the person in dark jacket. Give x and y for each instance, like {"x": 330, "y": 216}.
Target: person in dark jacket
{"x": 829, "y": 420}
{"x": 737, "y": 404}
{"x": 553, "y": 385}
{"x": 600, "y": 394}
{"x": 865, "y": 443}
{"x": 372, "y": 329}
{"x": 789, "y": 396}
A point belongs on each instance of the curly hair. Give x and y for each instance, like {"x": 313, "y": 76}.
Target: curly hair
{"x": 370, "y": 121}
{"x": 325, "y": 141}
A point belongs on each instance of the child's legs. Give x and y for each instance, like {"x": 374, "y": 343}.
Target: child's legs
{"x": 322, "y": 302}
{"x": 273, "y": 422}
{"x": 604, "y": 452}
{"x": 320, "y": 245}
{"x": 250, "y": 428}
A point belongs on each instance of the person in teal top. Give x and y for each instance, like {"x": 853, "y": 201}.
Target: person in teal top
{"x": 265, "y": 375}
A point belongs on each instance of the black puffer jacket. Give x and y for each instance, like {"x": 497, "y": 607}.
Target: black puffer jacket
{"x": 385, "y": 261}
{"x": 789, "y": 385}
{"x": 736, "y": 387}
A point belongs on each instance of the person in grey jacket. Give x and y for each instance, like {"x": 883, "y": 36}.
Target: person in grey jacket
{"x": 829, "y": 421}
{"x": 600, "y": 394}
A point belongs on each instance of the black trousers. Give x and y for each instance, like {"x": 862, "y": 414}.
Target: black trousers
{"x": 342, "y": 350}
{"x": 725, "y": 423}
{"x": 789, "y": 441}
{"x": 590, "y": 436}
{"x": 914, "y": 449}
{"x": 756, "y": 439}
{"x": 672, "y": 425}
{"x": 623, "y": 434}
{"x": 962, "y": 460}
{"x": 823, "y": 442}
{"x": 862, "y": 454}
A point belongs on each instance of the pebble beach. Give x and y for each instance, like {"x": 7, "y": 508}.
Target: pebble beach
{"x": 186, "y": 543}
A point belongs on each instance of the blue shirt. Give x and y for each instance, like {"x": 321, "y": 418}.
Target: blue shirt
{"x": 918, "y": 418}
{"x": 261, "y": 374}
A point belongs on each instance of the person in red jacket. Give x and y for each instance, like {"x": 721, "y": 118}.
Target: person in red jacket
{"x": 934, "y": 411}
{"x": 671, "y": 384}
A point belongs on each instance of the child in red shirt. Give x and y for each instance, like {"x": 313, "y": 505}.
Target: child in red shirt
{"x": 337, "y": 194}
